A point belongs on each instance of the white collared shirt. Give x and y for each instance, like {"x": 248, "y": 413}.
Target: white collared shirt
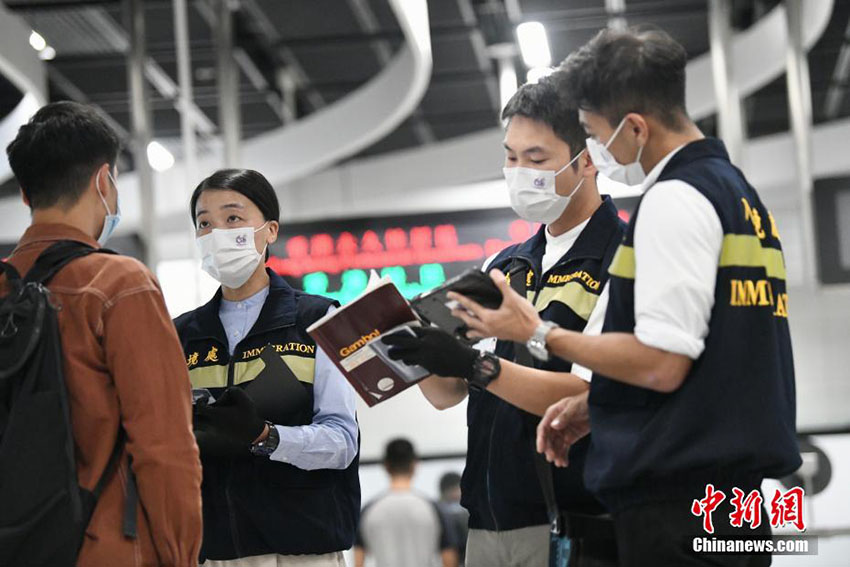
{"x": 677, "y": 242}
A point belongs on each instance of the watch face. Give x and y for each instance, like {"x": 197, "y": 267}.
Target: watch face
{"x": 489, "y": 366}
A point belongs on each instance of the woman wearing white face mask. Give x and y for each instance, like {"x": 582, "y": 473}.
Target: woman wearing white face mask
{"x": 279, "y": 489}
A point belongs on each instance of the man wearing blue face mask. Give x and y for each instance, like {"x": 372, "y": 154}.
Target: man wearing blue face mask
{"x": 123, "y": 368}
{"x": 693, "y": 381}
{"x": 563, "y": 270}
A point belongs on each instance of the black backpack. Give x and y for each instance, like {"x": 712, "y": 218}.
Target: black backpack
{"x": 43, "y": 510}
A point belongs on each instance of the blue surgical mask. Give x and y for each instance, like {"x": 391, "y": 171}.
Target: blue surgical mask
{"x": 110, "y": 223}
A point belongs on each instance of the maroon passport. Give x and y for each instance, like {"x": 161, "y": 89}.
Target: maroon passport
{"x": 345, "y": 335}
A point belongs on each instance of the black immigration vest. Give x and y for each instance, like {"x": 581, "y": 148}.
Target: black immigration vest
{"x": 256, "y": 506}
{"x": 733, "y": 419}
{"x": 500, "y": 487}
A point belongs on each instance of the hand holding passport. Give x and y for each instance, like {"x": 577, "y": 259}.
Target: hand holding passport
{"x": 351, "y": 335}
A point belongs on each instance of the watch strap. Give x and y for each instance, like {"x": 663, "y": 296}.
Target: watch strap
{"x": 268, "y": 445}
{"x": 485, "y": 369}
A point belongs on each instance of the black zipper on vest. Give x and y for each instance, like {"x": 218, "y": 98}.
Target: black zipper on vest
{"x": 230, "y": 379}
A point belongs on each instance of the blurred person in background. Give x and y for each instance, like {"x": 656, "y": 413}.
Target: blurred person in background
{"x": 402, "y": 527}
{"x": 456, "y": 516}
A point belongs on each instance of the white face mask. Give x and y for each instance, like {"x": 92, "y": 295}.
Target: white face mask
{"x": 630, "y": 173}
{"x": 533, "y": 194}
{"x": 229, "y": 255}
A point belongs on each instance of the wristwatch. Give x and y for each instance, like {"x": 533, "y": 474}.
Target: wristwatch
{"x": 485, "y": 369}
{"x": 537, "y": 343}
{"x": 268, "y": 445}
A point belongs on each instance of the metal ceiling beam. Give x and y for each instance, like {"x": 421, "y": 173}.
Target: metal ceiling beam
{"x": 186, "y": 95}
{"x": 369, "y": 23}
{"x": 370, "y": 36}
{"x": 33, "y": 6}
{"x": 245, "y": 63}
{"x": 293, "y": 66}
{"x": 140, "y": 114}
{"x": 73, "y": 92}
{"x": 729, "y": 109}
{"x": 228, "y": 85}
{"x": 616, "y": 10}
{"x": 479, "y": 48}
{"x": 840, "y": 79}
{"x": 800, "y": 113}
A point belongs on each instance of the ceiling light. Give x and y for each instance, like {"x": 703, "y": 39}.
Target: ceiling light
{"x": 47, "y": 54}
{"x": 533, "y": 44}
{"x": 159, "y": 157}
{"x": 507, "y": 82}
{"x": 36, "y": 41}
{"x": 537, "y": 73}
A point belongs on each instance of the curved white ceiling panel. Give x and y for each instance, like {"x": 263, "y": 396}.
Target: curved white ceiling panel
{"x": 758, "y": 55}
{"x": 20, "y": 64}
{"x": 356, "y": 121}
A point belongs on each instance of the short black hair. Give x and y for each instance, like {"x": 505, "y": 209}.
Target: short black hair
{"x": 622, "y": 71}
{"x": 55, "y": 154}
{"x": 252, "y": 184}
{"x": 449, "y": 481}
{"x": 545, "y": 102}
{"x": 399, "y": 456}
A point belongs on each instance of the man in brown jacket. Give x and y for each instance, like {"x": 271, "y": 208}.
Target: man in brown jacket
{"x": 123, "y": 363}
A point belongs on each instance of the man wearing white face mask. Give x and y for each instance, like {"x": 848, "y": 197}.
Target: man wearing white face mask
{"x": 693, "y": 383}
{"x": 279, "y": 490}
{"x": 563, "y": 270}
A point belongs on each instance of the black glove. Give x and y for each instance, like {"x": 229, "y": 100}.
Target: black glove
{"x": 228, "y": 427}
{"x": 435, "y": 350}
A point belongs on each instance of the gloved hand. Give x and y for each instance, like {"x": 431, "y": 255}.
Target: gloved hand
{"x": 228, "y": 427}
{"x": 435, "y": 350}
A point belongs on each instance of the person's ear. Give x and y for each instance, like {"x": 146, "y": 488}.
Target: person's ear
{"x": 101, "y": 181}
{"x": 274, "y": 228}
{"x": 639, "y": 127}
{"x": 589, "y": 169}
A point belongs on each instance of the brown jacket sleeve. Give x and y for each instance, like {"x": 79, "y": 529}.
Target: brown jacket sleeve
{"x": 145, "y": 359}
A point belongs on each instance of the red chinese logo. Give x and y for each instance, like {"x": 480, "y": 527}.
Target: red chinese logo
{"x": 785, "y": 508}
{"x": 746, "y": 509}
{"x": 707, "y": 505}
{"x": 788, "y": 509}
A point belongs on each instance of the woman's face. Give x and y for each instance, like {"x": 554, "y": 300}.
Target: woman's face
{"x": 224, "y": 209}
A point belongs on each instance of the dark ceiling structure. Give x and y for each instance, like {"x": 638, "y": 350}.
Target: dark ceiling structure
{"x": 298, "y": 56}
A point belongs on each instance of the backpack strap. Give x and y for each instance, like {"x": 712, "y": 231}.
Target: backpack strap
{"x": 56, "y": 257}
{"x": 10, "y": 271}
{"x": 131, "y": 493}
{"x": 47, "y": 265}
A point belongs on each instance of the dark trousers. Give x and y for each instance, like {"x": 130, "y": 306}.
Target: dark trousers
{"x": 660, "y": 534}
{"x": 594, "y": 539}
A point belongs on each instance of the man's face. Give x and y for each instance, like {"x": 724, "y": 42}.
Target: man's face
{"x": 533, "y": 144}
{"x": 624, "y": 147}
